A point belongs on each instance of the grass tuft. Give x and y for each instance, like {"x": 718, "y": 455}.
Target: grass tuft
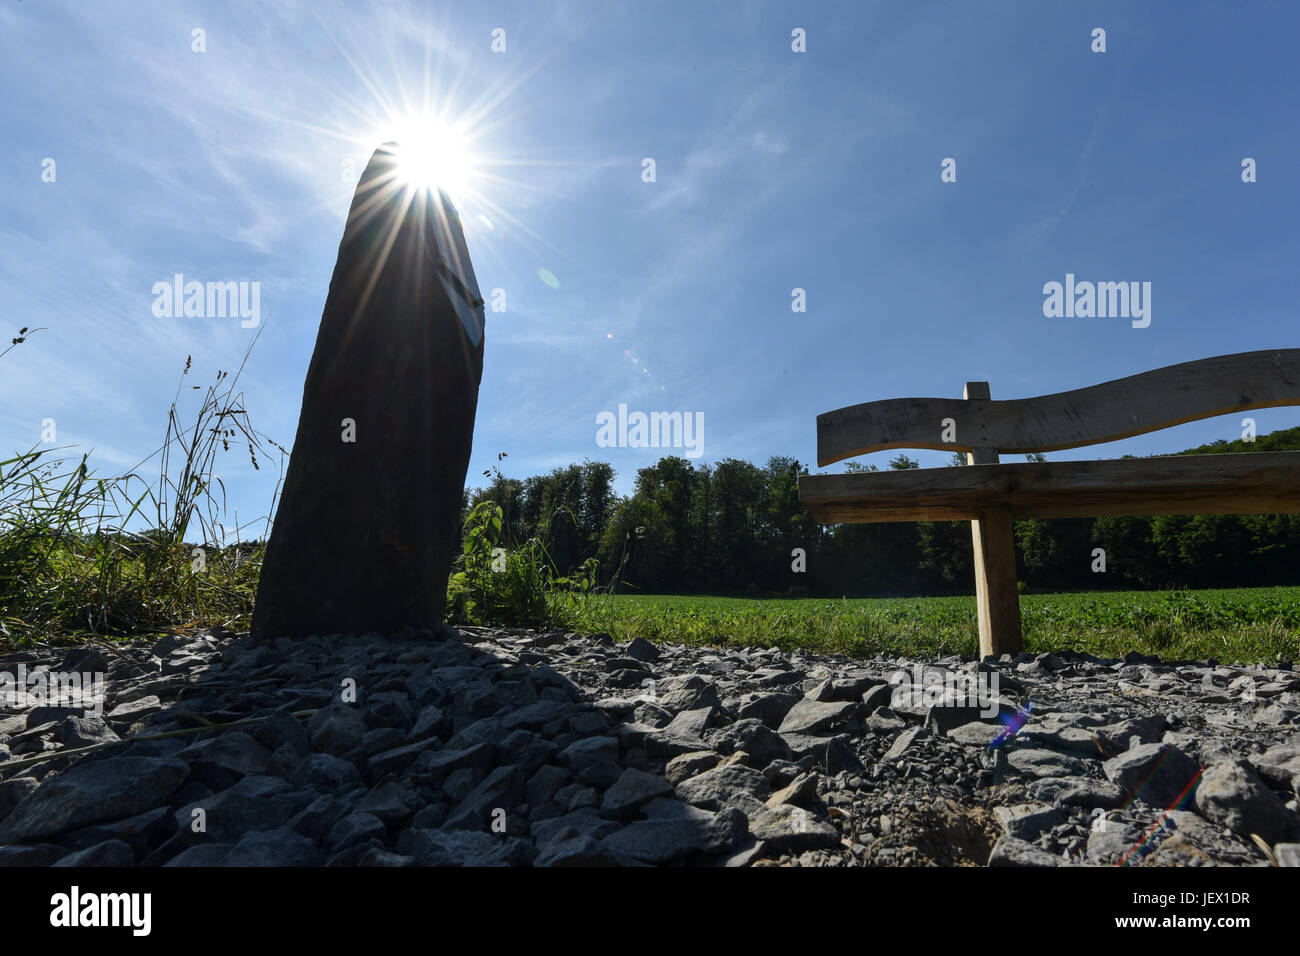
{"x": 82, "y": 555}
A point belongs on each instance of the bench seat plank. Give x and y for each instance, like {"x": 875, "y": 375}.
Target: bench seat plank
{"x": 1252, "y": 483}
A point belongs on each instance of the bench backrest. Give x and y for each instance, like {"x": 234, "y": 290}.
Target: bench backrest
{"x": 1085, "y": 416}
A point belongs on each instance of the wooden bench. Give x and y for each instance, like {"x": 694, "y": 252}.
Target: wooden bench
{"x": 991, "y": 495}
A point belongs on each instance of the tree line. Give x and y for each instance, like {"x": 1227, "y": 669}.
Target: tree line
{"x": 733, "y": 527}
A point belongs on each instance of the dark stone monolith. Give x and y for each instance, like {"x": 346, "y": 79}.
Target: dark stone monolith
{"x": 369, "y": 518}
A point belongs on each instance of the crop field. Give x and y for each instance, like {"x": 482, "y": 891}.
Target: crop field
{"x": 1238, "y": 625}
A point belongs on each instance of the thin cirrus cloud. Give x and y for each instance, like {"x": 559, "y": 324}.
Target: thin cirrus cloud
{"x": 774, "y": 171}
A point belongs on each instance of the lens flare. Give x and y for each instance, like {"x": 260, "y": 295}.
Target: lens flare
{"x": 434, "y": 155}
{"x": 1013, "y": 723}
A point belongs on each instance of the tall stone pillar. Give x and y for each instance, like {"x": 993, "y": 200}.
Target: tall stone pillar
{"x": 368, "y": 520}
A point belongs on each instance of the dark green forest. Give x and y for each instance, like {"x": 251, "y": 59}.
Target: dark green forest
{"x": 730, "y": 529}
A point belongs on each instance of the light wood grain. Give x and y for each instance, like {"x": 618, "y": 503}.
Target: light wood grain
{"x": 1086, "y": 416}
{"x": 996, "y": 596}
{"x": 1257, "y": 483}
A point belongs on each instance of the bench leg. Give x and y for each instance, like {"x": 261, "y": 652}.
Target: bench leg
{"x": 995, "y": 583}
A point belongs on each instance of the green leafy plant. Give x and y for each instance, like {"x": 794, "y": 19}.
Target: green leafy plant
{"x": 492, "y": 584}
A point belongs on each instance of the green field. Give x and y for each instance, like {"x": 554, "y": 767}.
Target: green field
{"x": 1238, "y": 625}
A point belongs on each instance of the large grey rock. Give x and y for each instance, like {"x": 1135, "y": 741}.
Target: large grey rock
{"x": 380, "y": 739}
{"x": 1279, "y": 764}
{"x": 279, "y": 847}
{"x": 87, "y": 659}
{"x": 632, "y": 790}
{"x": 942, "y": 718}
{"x": 1117, "y": 737}
{"x": 108, "y": 853}
{"x": 1026, "y": 821}
{"x": 715, "y": 789}
{"x": 545, "y": 784}
{"x": 372, "y": 855}
{"x": 809, "y": 716}
{"x": 807, "y": 745}
{"x": 367, "y": 525}
{"x": 321, "y": 814}
{"x": 440, "y": 763}
{"x": 503, "y": 789}
{"x": 203, "y": 854}
{"x": 232, "y": 750}
{"x": 40, "y": 854}
{"x": 1009, "y": 851}
{"x": 798, "y": 792}
{"x": 781, "y": 773}
{"x": 418, "y": 754}
{"x": 463, "y": 848}
{"x": 141, "y": 832}
{"x": 840, "y": 757}
{"x": 668, "y": 742}
{"x": 1232, "y": 795}
{"x": 586, "y": 821}
{"x": 904, "y": 741}
{"x": 689, "y": 764}
{"x": 282, "y": 729}
{"x": 975, "y": 734}
{"x": 337, "y": 729}
{"x": 590, "y": 723}
{"x": 528, "y": 751}
{"x": 1086, "y": 792}
{"x": 692, "y": 723}
{"x": 843, "y": 688}
{"x": 460, "y": 782}
{"x": 535, "y": 716}
{"x": 389, "y": 709}
{"x": 325, "y": 772}
{"x": 588, "y": 752}
{"x": 642, "y": 650}
{"x": 572, "y": 848}
{"x": 1038, "y": 762}
{"x": 254, "y": 803}
{"x": 876, "y": 697}
{"x": 430, "y": 722}
{"x": 663, "y": 839}
{"x": 84, "y": 731}
{"x": 884, "y": 720}
{"x": 786, "y": 828}
{"x": 12, "y": 793}
{"x": 1159, "y": 773}
{"x": 392, "y": 803}
{"x": 593, "y": 760}
{"x": 105, "y": 789}
{"x": 770, "y": 708}
{"x": 133, "y": 710}
{"x": 356, "y": 827}
{"x": 688, "y": 693}
{"x": 1115, "y": 842}
{"x": 1195, "y": 841}
{"x": 1076, "y": 740}
{"x": 761, "y": 743}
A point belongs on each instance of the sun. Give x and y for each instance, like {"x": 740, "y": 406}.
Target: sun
{"x": 434, "y": 154}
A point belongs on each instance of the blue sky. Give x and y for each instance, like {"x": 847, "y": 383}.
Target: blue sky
{"x": 774, "y": 170}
